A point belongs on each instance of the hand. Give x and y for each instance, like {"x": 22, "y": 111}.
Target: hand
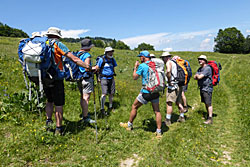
{"x": 137, "y": 64}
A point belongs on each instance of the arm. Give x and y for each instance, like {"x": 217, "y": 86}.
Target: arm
{"x": 77, "y": 61}
{"x": 198, "y": 76}
{"x": 136, "y": 76}
{"x": 168, "y": 70}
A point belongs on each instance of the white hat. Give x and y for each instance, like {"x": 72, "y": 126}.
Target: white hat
{"x": 54, "y": 31}
{"x": 152, "y": 55}
{"x": 202, "y": 57}
{"x": 108, "y": 49}
{"x": 165, "y": 54}
{"x": 36, "y": 34}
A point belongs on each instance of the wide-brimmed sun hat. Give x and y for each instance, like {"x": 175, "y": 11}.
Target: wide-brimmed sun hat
{"x": 35, "y": 34}
{"x": 152, "y": 55}
{"x": 108, "y": 49}
{"x": 166, "y": 54}
{"x": 86, "y": 44}
{"x": 203, "y": 57}
{"x": 54, "y": 31}
{"x": 144, "y": 53}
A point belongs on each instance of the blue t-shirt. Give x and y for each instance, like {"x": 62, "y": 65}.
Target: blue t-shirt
{"x": 143, "y": 71}
{"x": 108, "y": 68}
{"x": 83, "y": 57}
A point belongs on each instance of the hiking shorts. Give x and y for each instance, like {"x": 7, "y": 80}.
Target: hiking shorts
{"x": 55, "y": 92}
{"x": 108, "y": 86}
{"x": 206, "y": 97}
{"x": 141, "y": 98}
{"x": 174, "y": 96}
{"x": 85, "y": 86}
{"x": 185, "y": 88}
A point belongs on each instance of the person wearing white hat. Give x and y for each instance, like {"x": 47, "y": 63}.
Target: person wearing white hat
{"x": 204, "y": 78}
{"x": 173, "y": 91}
{"x": 35, "y": 34}
{"x": 106, "y": 67}
{"x": 55, "y": 91}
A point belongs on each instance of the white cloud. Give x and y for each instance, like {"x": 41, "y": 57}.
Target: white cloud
{"x": 70, "y": 33}
{"x": 186, "y": 41}
{"x": 248, "y": 31}
{"x": 168, "y": 49}
{"x": 206, "y": 44}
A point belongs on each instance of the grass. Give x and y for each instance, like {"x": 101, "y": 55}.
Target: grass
{"x": 25, "y": 142}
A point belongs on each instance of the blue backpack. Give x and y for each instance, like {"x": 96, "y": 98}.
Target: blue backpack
{"x": 189, "y": 70}
{"x": 72, "y": 71}
{"x": 35, "y": 56}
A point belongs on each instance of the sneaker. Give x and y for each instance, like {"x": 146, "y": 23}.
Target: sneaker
{"x": 158, "y": 135}
{"x": 181, "y": 119}
{"x": 88, "y": 120}
{"x": 103, "y": 112}
{"x": 209, "y": 121}
{"x": 167, "y": 122}
{"x": 125, "y": 125}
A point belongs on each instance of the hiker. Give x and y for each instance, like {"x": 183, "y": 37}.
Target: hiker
{"x": 106, "y": 66}
{"x": 144, "y": 96}
{"x": 173, "y": 91}
{"x": 204, "y": 77}
{"x": 54, "y": 91}
{"x": 184, "y": 89}
{"x": 85, "y": 85}
{"x": 35, "y": 34}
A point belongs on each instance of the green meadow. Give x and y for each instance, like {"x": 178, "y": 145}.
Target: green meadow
{"x": 25, "y": 142}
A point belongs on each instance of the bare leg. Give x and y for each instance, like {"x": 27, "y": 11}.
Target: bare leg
{"x": 59, "y": 115}
{"x": 135, "y": 106}
{"x": 157, "y": 114}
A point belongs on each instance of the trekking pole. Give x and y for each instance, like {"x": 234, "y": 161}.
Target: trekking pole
{"x": 95, "y": 108}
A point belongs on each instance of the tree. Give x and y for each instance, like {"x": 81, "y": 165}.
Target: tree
{"x": 247, "y": 45}
{"x": 229, "y": 40}
{"x": 121, "y": 45}
{"x": 144, "y": 46}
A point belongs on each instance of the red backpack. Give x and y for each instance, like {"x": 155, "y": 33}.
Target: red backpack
{"x": 216, "y": 67}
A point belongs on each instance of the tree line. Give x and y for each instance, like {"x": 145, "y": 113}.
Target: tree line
{"x": 8, "y": 31}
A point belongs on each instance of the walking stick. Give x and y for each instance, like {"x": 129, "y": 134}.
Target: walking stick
{"x": 95, "y": 108}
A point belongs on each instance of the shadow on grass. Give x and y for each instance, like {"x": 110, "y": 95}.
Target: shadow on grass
{"x": 205, "y": 114}
{"x": 151, "y": 125}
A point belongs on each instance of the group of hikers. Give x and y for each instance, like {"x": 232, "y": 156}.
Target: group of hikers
{"x": 55, "y": 94}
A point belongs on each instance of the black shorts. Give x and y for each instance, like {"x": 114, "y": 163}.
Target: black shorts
{"x": 206, "y": 97}
{"x": 55, "y": 92}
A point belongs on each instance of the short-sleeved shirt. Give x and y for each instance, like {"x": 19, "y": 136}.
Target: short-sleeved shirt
{"x": 108, "y": 68}
{"x": 83, "y": 57}
{"x": 143, "y": 71}
{"x": 206, "y": 83}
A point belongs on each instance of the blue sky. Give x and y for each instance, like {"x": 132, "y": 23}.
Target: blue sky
{"x": 172, "y": 25}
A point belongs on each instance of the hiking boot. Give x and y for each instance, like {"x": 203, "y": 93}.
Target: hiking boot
{"x": 181, "y": 119}
{"x": 103, "y": 112}
{"x": 88, "y": 120}
{"x": 167, "y": 122}
{"x": 158, "y": 135}
{"x": 125, "y": 125}
{"x": 59, "y": 131}
{"x": 209, "y": 121}
{"x": 49, "y": 122}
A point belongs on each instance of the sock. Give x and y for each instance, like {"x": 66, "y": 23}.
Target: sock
{"x": 158, "y": 130}
{"x": 168, "y": 116}
{"x": 130, "y": 124}
{"x": 103, "y": 98}
{"x": 182, "y": 114}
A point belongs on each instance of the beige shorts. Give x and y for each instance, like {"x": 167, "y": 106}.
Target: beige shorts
{"x": 174, "y": 96}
